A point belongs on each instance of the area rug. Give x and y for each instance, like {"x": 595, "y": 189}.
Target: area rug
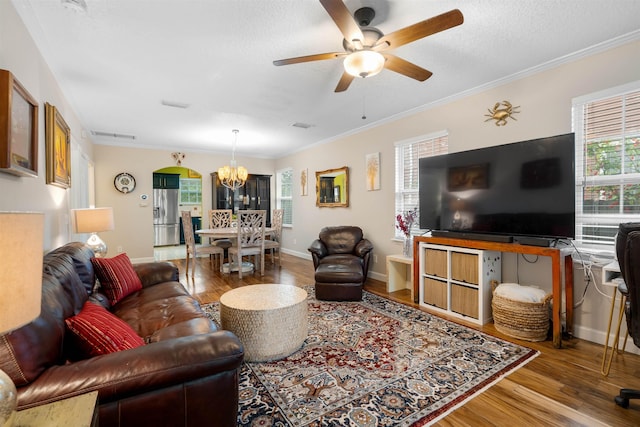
{"x": 373, "y": 363}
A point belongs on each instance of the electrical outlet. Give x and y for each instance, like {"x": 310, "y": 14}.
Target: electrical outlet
{"x": 375, "y": 258}
{"x": 120, "y": 249}
{"x": 294, "y": 241}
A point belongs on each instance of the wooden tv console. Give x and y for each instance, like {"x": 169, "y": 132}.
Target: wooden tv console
{"x": 556, "y": 254}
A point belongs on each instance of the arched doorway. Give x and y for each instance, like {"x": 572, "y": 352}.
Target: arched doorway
{"x": 175, "y": 189}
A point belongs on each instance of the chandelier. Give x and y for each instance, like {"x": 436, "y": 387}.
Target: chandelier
{"x": 233, "y": 176}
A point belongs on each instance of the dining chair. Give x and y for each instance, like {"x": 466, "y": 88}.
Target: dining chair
{"x": 192, "y": 249}
{"x": 250, "y": 240}
{"x": 273, "y": 244}
{"x": 220, "y": 218}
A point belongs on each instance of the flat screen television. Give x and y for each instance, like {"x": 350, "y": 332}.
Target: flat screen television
{"x": 522, "y": 189}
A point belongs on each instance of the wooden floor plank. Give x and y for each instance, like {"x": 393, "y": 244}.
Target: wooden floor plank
{"x": 560, "y": 387}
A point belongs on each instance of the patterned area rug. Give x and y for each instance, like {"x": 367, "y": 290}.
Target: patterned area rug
{"x": 373, "y": 363}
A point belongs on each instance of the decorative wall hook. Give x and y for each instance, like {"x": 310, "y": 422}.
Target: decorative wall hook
{"x": 501, "y": 112}
{"x": 178, "y": 157}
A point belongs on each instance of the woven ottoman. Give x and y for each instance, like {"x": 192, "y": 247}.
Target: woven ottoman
{"x": 270, "y": 320}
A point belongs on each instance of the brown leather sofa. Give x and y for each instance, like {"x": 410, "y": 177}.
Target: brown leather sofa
{"x": 186, "y": 373}
{"x": 341, "y": 261}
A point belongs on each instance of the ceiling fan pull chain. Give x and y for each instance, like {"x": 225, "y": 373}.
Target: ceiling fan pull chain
{"x": 364, "y": 116}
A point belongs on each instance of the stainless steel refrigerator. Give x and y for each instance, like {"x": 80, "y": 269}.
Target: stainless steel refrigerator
{"x": 166, "y": 217}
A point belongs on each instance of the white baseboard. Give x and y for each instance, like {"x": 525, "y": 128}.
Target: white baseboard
{"x": 598, "y": 337}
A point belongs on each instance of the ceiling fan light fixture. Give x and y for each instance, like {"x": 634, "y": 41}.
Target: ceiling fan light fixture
{"x": 364, "y": 63}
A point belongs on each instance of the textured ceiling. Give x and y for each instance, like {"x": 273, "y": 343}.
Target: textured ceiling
{"x": 117, "y": 62}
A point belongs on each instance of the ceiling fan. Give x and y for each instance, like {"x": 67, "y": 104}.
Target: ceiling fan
{"x": 366, "y": 48}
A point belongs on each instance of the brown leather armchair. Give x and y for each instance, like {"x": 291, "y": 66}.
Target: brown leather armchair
{"x": 341, "y": 261}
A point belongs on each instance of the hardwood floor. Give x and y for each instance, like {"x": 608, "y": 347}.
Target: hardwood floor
{"x": 561, "y": 387}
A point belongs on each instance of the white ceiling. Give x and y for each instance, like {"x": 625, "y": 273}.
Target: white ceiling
{"x": 118, "y": 61}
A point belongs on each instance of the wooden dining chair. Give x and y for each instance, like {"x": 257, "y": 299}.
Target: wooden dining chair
{"x": 273, "y": 243}
{"x": 250, "y": 238}
{"x": 193, "y": 250}
{"x": 220, "y": 218}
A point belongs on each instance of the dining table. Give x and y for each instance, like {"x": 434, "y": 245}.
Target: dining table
{"x": 228, "y": 232}
{"x": 231, "y": 233}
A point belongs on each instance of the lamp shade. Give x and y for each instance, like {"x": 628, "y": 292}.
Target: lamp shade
{"x": 21, "y": 251}
{"x": 364, "y": 63}
{"x": 93, "y": 220}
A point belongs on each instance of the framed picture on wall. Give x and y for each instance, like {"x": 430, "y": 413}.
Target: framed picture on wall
{"x": 18, "y": 128}
{"x": 58, "y": 147}
{"x": 304, "y": 182}
{"x": 373, "y": 171}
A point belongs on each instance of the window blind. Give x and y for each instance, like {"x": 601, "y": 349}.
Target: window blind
{"x": 408, "y": 154}
{"x": 607, "y": 165}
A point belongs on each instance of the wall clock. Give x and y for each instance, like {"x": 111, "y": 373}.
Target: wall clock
{"x": 124, "y": 182}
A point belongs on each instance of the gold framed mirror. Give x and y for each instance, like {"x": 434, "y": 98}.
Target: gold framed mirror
{"x": 332, "y": 188}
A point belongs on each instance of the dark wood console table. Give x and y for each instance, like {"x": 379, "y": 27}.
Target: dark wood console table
{"x": 555, "y": 254}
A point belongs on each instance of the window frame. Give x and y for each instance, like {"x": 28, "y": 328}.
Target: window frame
{"x": 610, "y": 221}
{"x": 401, "y": 166}
{"x": 184, "y": 191}
{"x": 280, "y": 197}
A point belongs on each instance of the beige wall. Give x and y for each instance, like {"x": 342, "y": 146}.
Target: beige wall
{"x": 133, "y": 232}
{"x": 544, "y": 98}
{"x": 19, "y": 55}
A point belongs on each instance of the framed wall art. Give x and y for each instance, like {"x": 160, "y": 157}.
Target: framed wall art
{"x": 373, "y": 171}
{"x": 58, "y": 147}
{"x": 18, "y": 128}
{"x": 304, "y": 182}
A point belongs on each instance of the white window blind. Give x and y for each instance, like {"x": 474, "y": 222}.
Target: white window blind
{"x": 284, "y": 192}
{"x": 607, "y": 128}
{"x": 408, "y": 154}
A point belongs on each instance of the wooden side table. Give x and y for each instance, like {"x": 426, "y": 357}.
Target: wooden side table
{"x": 399, "y": 273}
{"x": 77, "y": 411}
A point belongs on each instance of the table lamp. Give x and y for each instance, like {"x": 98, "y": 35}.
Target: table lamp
{"x": 21, "y": 251}
{"x": 94, "y": 220}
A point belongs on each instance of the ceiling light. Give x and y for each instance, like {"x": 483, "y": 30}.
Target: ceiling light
{"x": 233, "y": 176}
{"x": 364, "y": 63}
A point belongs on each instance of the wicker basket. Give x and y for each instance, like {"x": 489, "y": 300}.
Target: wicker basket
{"x": 523, "y": 320}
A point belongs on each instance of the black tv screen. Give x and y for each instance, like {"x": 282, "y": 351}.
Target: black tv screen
{"x": 521, "y": 189}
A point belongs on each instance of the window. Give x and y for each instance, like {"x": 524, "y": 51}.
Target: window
{"x": 408, "y": 154}
{"x": 190, "y": 191}
{"x": 607, "y": 128}
{"x": 284, "y": 191}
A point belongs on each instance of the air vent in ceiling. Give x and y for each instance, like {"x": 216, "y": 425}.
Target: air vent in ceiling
{"x": 174, "y": 104}
{"x": 112, "y": 135}
{"x": 76, "y": 5}
{"x": 301, "y": 125}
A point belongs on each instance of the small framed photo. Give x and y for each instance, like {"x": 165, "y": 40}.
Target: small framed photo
{"x": 18, "y": 128}
{"x": 58, "y": 147}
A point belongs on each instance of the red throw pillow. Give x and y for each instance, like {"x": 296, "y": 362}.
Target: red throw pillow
{"x": 117, "y": 276}
{"x": 101, "y": 332}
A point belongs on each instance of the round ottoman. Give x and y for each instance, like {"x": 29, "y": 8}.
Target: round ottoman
{"x": 270, "y": 320}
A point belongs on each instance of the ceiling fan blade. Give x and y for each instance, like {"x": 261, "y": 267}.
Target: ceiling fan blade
{"x": 343, "y": 19}
{"x": 406, "y": 68}
{"x": 344, "y": 82}
{"x": 423, "y": 29}
{"x": 309, "y": 58}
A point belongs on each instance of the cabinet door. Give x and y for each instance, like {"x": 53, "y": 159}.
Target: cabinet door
{"x": 464, "y": 267}
{"x": 435, "y": 263}
{"x": 221, "y": 196}
{"x": 435, "y": 293}
{"x": 166, "y": 180}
